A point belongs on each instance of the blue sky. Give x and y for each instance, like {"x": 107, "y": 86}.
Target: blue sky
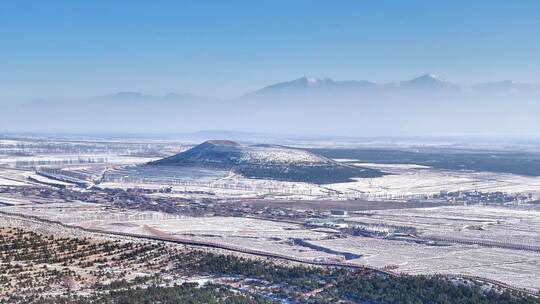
{"x": 54, "y": 49}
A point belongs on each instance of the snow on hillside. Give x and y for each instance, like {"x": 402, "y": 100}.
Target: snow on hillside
{"x": 230, "y": 153}
{"x": 280, "y": 155}
{"x": 266, "y": 162}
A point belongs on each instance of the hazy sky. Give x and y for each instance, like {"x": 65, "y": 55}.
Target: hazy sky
{"x": 223, "y": 48}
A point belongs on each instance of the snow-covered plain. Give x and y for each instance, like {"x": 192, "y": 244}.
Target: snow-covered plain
{"x": 516, "y": 268}
{"x": 12, "y": 161}
{"x": 512, "y": 266}
{"x": 460, "y": 223}
{"x": 10, "y": 177}
{"x": 405, "y": 181}
{"x": 504, "y": 226}
{"x": 123, "y": 170}
{"x": 412, "y": 180}
{"x": 264, "y": 235}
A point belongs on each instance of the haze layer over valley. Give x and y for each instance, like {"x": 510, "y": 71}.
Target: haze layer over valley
{"x": 350, "y": 108}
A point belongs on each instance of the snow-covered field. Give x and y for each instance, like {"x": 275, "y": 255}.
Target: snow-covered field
{"x": 405, "y": 181}
{"x": 264, "y": 235}
{"x": 122, "y": 171}
{"x": 504, "y": 225}
{"x": 501, "y": 225}
{"x": 410, "y": 180}
{"x": 516, "y": 268}
{"x": 510, "y": 227}
{"x": 12, "y": 161}
{"x": 10, "y": 177}
{"x": 219, "y": 182}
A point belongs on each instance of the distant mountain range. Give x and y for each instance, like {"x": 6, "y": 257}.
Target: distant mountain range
{"x": 305, "y": 83}
{"x": 425, "y": 105}
{"x": 427, "y": 82}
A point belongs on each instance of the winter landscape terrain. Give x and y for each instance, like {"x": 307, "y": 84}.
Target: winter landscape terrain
{"x": 431, "y": 210}
{"x": 270, "y": 152}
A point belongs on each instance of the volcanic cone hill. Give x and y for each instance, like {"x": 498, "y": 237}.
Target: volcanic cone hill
{"x": 266, "y": 162}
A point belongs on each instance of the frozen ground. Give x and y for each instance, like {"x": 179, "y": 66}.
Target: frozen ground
{"x": 516, "y": 268}
{"x": 264, "y": 235}
{"x": 120, "y": 160}
{"x": 504, "y": 226}
{"x": 412, "y": 180}
{"x": 13, "y": 177}
{"x": 13, "y": 161}
{"x": 501, "y": 225}
{"x": 507, "y": 226}
{"x": 404, "y": 182}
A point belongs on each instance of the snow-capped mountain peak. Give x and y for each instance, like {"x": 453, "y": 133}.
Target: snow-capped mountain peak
{"x": 310, "y": 82}
{"x": 432, "y": 76}
{"x": 426, "y": 82}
